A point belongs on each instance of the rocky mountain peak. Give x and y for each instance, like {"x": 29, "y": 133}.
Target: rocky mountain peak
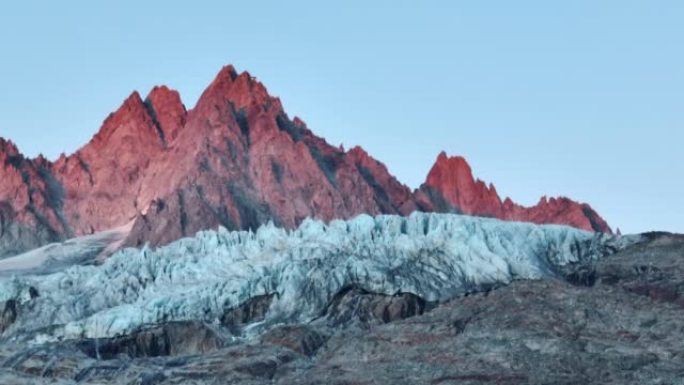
{"x": 450, "y": 168}
{"x": 451, "y": 185}
{"x": 242, "y": 91}
{"x": 236, "y": 159}
{"x": 131, "y": 120}
{"x": 453, "y": 178}
{"x": 167, "y": 110}
{"x": 226, "y": 74}
{"x": 358, "y": 152}
{"x": 7, "y": 148}
{"x": 297, "y": 121}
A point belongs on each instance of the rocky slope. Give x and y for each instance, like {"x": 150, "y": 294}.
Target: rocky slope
{"x": 428, "y": 299}
{"x": 451, "y": 186}
{"x": 236, "y": 160}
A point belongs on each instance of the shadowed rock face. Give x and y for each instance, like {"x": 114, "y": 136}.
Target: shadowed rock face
{"x": 237, "y": 160}
{"x": 450, "y": 186}
{"x": 171, "y": 339}
{"x": 356, "y": 306}
{"x": 253, "y": 310}
{"x": 574, "y": 331}
{"x": 8, "y": 314}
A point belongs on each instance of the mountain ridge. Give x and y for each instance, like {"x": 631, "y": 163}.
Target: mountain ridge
{"x": 235, "y": 159}
{"x": 452, "y": 178}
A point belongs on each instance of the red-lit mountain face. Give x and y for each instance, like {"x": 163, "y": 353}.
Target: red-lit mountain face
{"x": 450, "y": 186}
{"x": 235, "y": 160}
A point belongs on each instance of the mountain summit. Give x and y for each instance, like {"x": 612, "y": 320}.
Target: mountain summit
{"x": 236, "y": 160}
{"x": 450, "y": 186}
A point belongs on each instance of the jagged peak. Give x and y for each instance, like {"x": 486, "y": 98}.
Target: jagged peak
{"x": 167, "y": 110}
{"x": 449, "y": 168}
{"x": 455, "y": 160}
{"x": 546, "y": 200}
{"x": 132, "y": 101}
{"x": 242, "y": 90}
{"x": 42, "y": 161}
{"x": 235, "y": 120}
{"x": 562, "y": 201}
{"x": 227, "y": 73}
{"x": 358, "y": 151}
{"x": 297, "y": 121}
{"x": 161, "y": 97}
{"x": 360, "y": 156}
{"x": 162, "y": 92}
{"x": 245, "y": 83}
{"x": 452, "y": 177}
{"x": 219, "y": 86}
{"x": 133, "y": 114}
{"x": 132, "y": 104}
{"x": 7, "y": 147}
{"x": 224, "y": 78}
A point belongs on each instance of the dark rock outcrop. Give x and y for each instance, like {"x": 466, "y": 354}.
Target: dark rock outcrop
{"x": 253, "y": 310}
{"x": 8, "y": 314}
{"x": 355, "y": 306}
{"x": 171, "y": 339}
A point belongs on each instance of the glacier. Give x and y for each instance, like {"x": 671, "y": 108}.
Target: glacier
{"x": 435, "y": 256}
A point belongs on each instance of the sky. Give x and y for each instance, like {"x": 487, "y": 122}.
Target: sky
{"x": 576, "y": 98}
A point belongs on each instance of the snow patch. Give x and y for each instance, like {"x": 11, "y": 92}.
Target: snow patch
{"x": 52, "y": 257}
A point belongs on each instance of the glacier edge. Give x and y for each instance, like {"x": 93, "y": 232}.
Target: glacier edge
{"x": 434, "y": 256}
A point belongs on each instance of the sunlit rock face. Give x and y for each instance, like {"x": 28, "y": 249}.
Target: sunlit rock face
{"x": 451, "y": 186}
{"x": 236, "y": 160}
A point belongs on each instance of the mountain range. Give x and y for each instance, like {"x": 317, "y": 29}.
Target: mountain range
{"x": 345, "y": 275}
{"x": 236, "y": 160}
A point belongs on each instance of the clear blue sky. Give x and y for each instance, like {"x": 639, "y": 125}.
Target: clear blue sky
{"x": 581, "y": 98}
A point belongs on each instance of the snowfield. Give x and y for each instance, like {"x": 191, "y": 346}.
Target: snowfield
{"x": 435, "y": 256}
{"x": 57, "y": 256}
